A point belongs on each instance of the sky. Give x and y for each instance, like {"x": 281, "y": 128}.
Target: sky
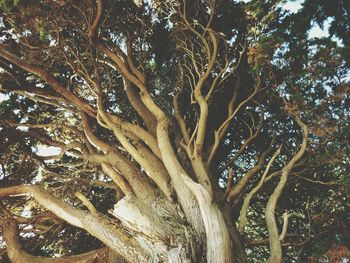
{"x": 3, "y": 97}
{"x": 316, "y": 30}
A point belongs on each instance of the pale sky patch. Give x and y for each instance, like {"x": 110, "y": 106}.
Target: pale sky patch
{"x": 43, "y": 150}
{"x": 3, "y": 97}
{"x": 294, "y": 6}
{"x": 317, "y": 31}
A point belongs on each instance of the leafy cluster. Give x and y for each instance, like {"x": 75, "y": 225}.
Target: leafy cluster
{"x": 261, "y": 46}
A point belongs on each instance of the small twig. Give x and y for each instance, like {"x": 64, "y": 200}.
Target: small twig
{"x": 87, "y": 203}
{"x": 286, "y": 216}
{"x": 229, "y": 183}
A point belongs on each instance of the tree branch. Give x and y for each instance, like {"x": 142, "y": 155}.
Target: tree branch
{"x": 243, "y": 213}
{"x": 16, "y": 253}
{"x": 275, "y": 243}
{"x": 98, "y": 226}
{"x": 237, "y": 189}
{"x": 49, "y": 79}
{"x": 93, "y": 27}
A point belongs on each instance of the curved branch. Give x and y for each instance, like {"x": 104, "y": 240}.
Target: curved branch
{"x": 136, "y": 103}
{"x": 237, "y": 189}
{"x": 203, "y": 104}
{"x": 221, "y": 131}
{"x": 286, "y": 217}
{"x": 243, "y": 146}
{"x": 243, "y": 213}
{"x": 153, "y": 167}
{"x": 99, "y": 226}
{"x": 78, "y": 102}
{"x": 169, "y": 157}
{"x": 16, "y": 253}
{"x": 179, "y": 118}
{"x": 274, "y": 238}
{"x": 86, "y": 202}
{"x": 94, "y": 25}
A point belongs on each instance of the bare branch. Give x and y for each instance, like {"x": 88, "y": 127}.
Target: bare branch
{"x": 237, "y": 189}
{"x": 97, "y": 226}
{"x": 275, "y": 243}
{"x": 94, "y": 25}
{"x": 16, "y": 253}
{"x": 87, "y": 203}
{"x": 243, "y": 213}
{"x": 49, "y": 79}
{"x": 286, "y": 216}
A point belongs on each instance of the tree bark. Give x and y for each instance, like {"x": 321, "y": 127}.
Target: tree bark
{"x": 16, "y": 253}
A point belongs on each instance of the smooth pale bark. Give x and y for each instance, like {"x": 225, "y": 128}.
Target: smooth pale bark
{"x": 136, "y": 215}
{"x": 156, "y": 172}
{"x": 201, "y": 173}
{"x": 219, "y": 247}
{"x": 200, "y": 209}
{"x": 139, "y": 184}
{"x": 136, "y": 103}
{"x": 153, "y": 230}
{"x": 218, "y": 241}
{"x": 173, "y": 166}
{"x": 177, "y": 174}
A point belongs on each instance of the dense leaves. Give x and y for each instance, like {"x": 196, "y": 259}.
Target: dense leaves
{"x": 266, "y": 66}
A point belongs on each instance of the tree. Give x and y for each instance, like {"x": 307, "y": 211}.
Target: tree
{"x": 187, "y": 131}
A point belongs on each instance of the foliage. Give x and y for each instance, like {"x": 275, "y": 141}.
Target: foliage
{"x": 265, "y": 67}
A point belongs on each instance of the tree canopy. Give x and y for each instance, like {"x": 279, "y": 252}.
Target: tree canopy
{"x": 174, "y": 131}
